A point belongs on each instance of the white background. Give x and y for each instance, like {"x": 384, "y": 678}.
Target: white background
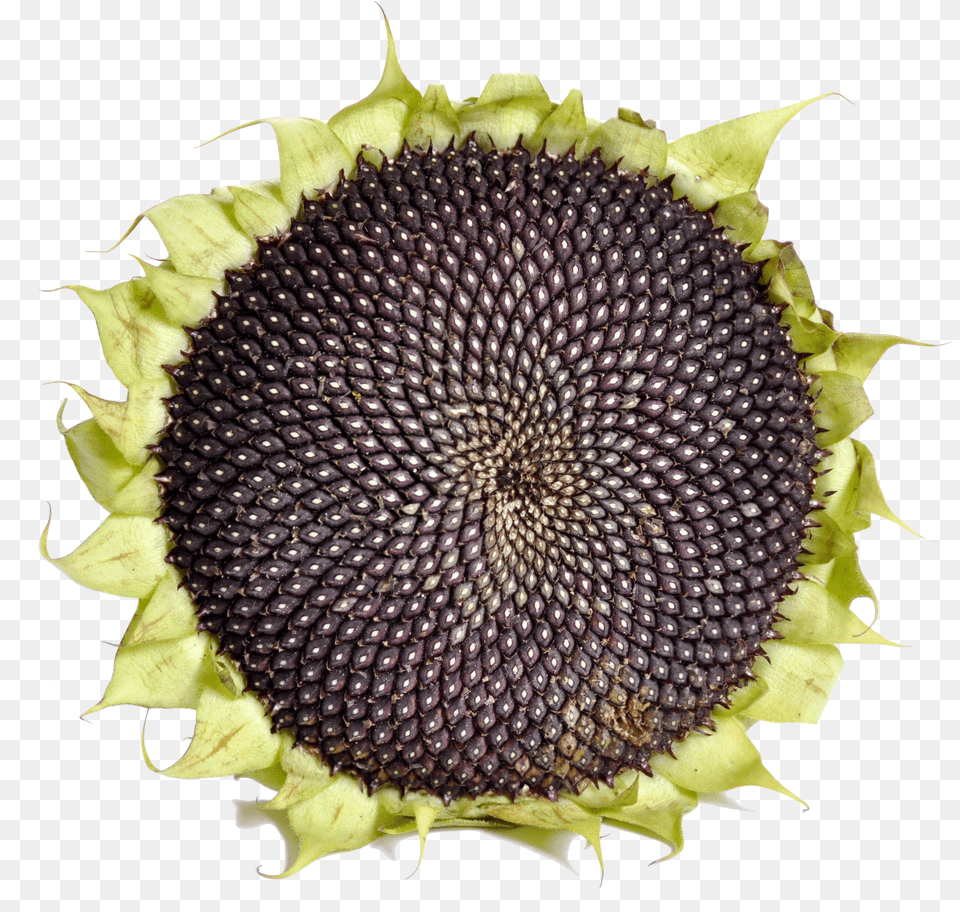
{"x": 104, "y": 105}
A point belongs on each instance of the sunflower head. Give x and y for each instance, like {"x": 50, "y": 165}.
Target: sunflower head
{"x": 489, "y": 468}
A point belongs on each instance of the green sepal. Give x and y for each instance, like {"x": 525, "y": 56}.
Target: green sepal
{"x": 166, "y": 674}
{"x": 128, "y": 634}
{"x": 232, "y": 737}
{"x": 340, "y": 818}
{"x": 818, "y": 615}
{"x": 722, "y": 760}
{"x": 124, "y": 556}
{"x": 853, "y": 487}
{"x": 870, "y": 498}
{"x": 838, "y": 486}
{"x": 557, "y": 815}
{"x": 745, "y": 219}
{"x": 843, "y": 405}
{"x": 166, "y": 614}
{"x": 603, "y": 798}
{"x": 742, "y": 698}
{"x": 511, "y": 105}
{"x": 380, "y": 119}
{"x": 788, "y": 284}
{"x": 141, "y": 496}
{"x": 809, "y": 337}
{"x": 312, "y": 158}
{"x": 136, "y": 337}
{"x": 591, "y": 126}
{"x": 397, "y": 805}
{"x": 306, "y": 776}
{"x": 563, "y": 814}
{"x": 727, "y": 158}
{"x": 146, "y": 416}
{"x": 562, "y": 130}
{"x": 186, "y": 300}
{"x": 449, "y": 823}
{"x": 858, "y": 353}
{"x": 797, "y": 278}
{"x": 827, "y": 541}
{"x": 200, "y": 233}
{"x": 630, "y": 140}
{"x": 229, "y": 675}
{"x": 271, "y": 777}
{"x": 114, "y": 484}
{"x": 821, "y": 363}
{"x": 133, "y": 424}
{"x": 768, "y": 251}
{"x": 109, "y": 416}
{"x": 845, "y": 578}
{"x": 424, "y": 816}
{"x": 379, "y": 126}
{"x": 665, "y": 826}
{"x": 773, "y": 273}
{"x": 799, "y": 678}
{"x": 433, "y": 122}
{"x": 657, "y": 813}
{"x": 474, "y": 807}
{"x": 260, "y": 209}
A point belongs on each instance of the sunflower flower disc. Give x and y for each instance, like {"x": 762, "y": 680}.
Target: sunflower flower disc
{"x": 490, "y": 472}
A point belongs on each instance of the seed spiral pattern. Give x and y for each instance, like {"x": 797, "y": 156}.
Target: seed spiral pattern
{"x": 491, "y": 472}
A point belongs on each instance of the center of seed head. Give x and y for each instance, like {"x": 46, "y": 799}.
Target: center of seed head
{"x": 491, "y": 472}
{"x": 508, "y": 476}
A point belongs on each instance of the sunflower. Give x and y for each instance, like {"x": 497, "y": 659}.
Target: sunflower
{"x": 487, "y": 469}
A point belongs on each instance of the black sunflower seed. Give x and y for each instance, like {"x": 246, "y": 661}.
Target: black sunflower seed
{"x": 491, "y": 472}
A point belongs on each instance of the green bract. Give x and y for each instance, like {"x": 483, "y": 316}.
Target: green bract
{"x": 163, "y": 661}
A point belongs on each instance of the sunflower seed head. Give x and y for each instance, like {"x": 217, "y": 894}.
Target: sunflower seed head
{"x": 491, "y": 472}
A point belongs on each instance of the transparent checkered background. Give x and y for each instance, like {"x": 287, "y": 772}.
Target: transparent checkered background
{"x": 102, "y": 118}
